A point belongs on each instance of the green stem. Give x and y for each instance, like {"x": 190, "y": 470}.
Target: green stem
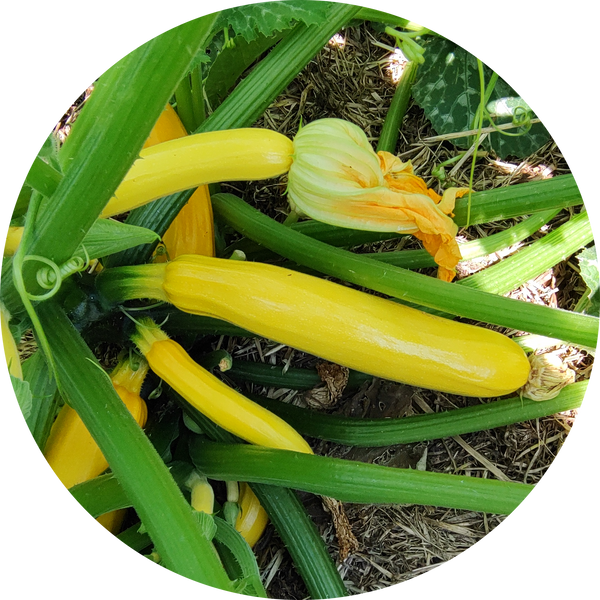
{"x": 105, "y": 140}
{"x": 128, "y": 283}
{"x": 291, "y": 520}
{"x": 275, "y": 72}
{"x": 418, "y": 428}
{"x": 140, "y": 471}
{"x": 402, "y": 284}
{"x": 305, "y": 545}
{"x": 351, "y": 481}
{"x": 518, "y": 200}
{"x": 185, "y": 105}
{"x": 395, "y": 115}
{"x": 530, "y": 262}
{"x": 478, "y": 119}
{"x": 294, "y": 378}
{"x": 197, "y": 96}
{"x": 104, "y": 493}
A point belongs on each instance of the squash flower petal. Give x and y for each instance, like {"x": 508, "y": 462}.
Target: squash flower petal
{"x": 336, "y": 177}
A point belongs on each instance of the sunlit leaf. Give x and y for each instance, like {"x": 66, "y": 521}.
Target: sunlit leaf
{"x": 448, "y": 90}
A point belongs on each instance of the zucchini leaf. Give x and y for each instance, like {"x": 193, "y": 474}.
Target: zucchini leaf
{"x": 231, "y": 62}
{"x": 265, "y": 18}
{"x": 23, "y": 394}
{"x": 448, "y": 90}
{"x": 107, "y": 236}
{"x": 588, "y": 264}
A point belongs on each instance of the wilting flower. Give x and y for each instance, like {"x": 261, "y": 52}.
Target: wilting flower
{"x": 337, "y": 178}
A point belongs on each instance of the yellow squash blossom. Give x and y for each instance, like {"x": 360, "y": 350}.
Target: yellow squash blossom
{"x": 336, "y": 177}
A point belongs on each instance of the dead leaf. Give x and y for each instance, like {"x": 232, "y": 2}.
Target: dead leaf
{"x": 347, "y": 541}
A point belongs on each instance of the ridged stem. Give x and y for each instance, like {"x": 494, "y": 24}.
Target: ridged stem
{"x": 140, "y": 471}
{"x": 351, "y": 481}
{"x": 403, "y": 284}
{"x": 418, "y": 428}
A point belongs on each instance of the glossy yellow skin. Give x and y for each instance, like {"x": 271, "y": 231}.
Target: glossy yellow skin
{"x": 220, "y": 403}
{"x": 191, "y": 232}
{"x": 72, "y": 452}
{"x": 197, "y": 213}
{"x": 252, "y": 518}
{"x": 346, "y": 326}
{"x": 188, "y": 162}
{"x": 202, "y": 495}
{"x": 13, "y": 239}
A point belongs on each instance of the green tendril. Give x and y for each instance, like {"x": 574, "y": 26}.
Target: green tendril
{"x": 147, "y": 307}
{"x": 53, "y": 268}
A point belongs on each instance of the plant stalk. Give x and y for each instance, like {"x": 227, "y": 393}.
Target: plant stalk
{"x": 142, "y": 474}
{"x": 351, "y": 481}
{"x": 403, "y": 284}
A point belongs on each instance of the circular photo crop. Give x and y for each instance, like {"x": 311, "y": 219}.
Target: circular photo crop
{"x": 299, "y": 300}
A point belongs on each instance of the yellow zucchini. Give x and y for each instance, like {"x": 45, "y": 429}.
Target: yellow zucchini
{"x": 188, "y": 162}
{"x": 13, "y": 239}
{"x": 191, "y": 232}
{"x": 209, "y": 395}
{"x": 340, "y": 324}
{"x": 72, "y": 452}
{"x": 252, "y": 518}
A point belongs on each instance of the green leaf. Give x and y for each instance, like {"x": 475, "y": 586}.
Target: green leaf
{"x": 588, "y": 263}
{"x": 508, "y": 107}
{"x": 44, "y": 397}
{"x": 231, "y": 62}
{"x": 265, "y": 18}
{"x": 448, "y": 90}
{"x": 23, "y": 393}
{"x": 107, "y": 236}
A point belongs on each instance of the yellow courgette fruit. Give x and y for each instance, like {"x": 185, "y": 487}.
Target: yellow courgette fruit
{"x": 72, "y": 452}
{"x": 13, "y": 239}
{"x": 191, "y": 232}
{"x": 189, "y": 162}
{"x": 202, "y": 496}
{"x": 342, "y": 325}
{"x": 209, "y": 395}
{"x": 252, "y": 518}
